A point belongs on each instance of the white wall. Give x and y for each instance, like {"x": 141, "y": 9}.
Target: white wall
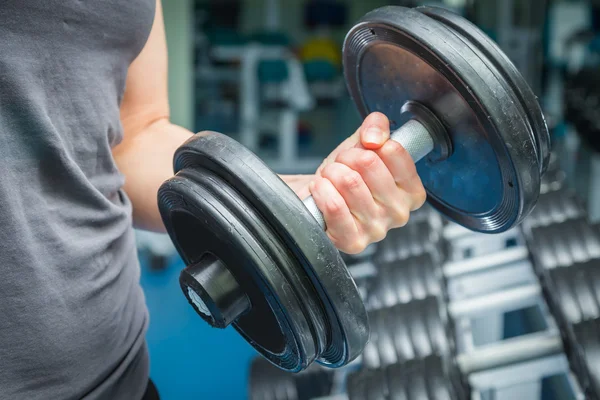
{"x": 179, "y": 30}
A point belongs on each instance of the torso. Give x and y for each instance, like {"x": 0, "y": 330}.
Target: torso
{"x": 72, "y": 314}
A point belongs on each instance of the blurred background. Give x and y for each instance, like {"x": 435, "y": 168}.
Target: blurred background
{"x": 269, "y": 74}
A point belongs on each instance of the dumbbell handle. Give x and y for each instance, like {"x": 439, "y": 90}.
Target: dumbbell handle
{"x": 413, "y": 136}
{"x": 503, "y": 301}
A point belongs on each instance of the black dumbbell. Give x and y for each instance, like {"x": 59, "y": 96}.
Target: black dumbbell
{"x": 258, "y": 257}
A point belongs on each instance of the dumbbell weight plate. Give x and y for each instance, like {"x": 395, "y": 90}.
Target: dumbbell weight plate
{"x": 491, "y": 180}
{"x": 226, "y": 202}
{"x": 407, "y": 331}
{"x": 561, "y": 245}
{"x": 587, "y": 335}
{"x": 403, "y": 281}
{"x": 514, "y": 79}
{"x": 258, "y": 258}
{"x": 431, "y": 378}
{"x": 575, "y": 290}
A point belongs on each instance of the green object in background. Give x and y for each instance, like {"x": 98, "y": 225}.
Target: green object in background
{"x": 320, "y": 70}
{"x": 274, "y": 71}
{"x": 225, "y": 37}
{"x": 270, "y": 38}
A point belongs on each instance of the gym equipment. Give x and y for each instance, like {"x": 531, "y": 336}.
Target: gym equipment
{"x": 433, "y": 360}
{"x": 424, "y": 327}
{"x": 422, "y": 276}
{"x": 564, "y": 244}
{"x": 268, "y": 382}
{"x": 582, "y": 99}
{"x": 410, "y": 328}
{"x": 555, "y": 207}
{"x": 572, "y": 293}
{"x": 258, "y": 258}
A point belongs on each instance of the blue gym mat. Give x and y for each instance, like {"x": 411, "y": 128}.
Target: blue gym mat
{"x": 189, "y": 359}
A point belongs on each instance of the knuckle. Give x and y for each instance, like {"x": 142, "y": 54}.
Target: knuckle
{"x": 378, "y": 232}
{"x": 329, "y": 170}
{"x": 401, "y": 216}
{"x": 368, "y": 159}
{"x": 352, "y": 180}
{"x": 420, "y": 197}
{"x": 334, "y": 207}
{"x": 356, "y": 246}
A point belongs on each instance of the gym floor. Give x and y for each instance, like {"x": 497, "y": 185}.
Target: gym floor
{"x": 189, "y": 359}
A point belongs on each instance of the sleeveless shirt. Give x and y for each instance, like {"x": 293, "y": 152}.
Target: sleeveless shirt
{"x": 72, "y": 313}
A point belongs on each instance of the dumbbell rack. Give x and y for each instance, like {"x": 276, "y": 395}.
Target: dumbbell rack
{"x": 463, "y": 251}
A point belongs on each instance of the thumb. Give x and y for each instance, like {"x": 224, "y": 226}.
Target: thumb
{"x": 375, "y": 131}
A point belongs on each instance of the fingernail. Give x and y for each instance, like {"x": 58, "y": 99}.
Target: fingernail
{"x": 373, "y": 135}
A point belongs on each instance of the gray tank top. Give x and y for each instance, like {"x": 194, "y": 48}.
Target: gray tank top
{"x": 72, "y": 313}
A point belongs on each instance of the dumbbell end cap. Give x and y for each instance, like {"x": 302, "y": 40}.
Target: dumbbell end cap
{"x": 213, "y": 292}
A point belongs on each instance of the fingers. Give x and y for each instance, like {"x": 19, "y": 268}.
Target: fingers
{"x": 341, "y": 226}
{"x": 375, "y": 131}
{"x": 404, "y": 172}
{"x": 383, "y": 189}
{"x": 353, "y": 189}
{"x": 367, "y": 186}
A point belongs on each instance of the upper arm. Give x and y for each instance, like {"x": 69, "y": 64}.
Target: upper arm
{"x": 145, "y": 100}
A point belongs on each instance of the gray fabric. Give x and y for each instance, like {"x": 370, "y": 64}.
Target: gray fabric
{"x": 72, "y": 314}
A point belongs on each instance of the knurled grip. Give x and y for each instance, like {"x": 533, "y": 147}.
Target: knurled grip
{"x": 413, "y": 136}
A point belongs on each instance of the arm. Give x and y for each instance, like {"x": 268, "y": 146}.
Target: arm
{"x": 367, "y": 186}
{"x": 145, "y": 156}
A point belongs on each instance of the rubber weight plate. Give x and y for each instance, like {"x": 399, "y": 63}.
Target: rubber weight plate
{"x": 404, "y": 281}
{"x": 431, "y": 378}
{"x": 257, "y": 259}
{"x": 587, "y": 335}
{"x": 408, "y": 331}
{"x": 500, "y": 142}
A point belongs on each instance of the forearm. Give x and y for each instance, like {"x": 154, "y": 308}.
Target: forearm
{"x": 147, "y": 161}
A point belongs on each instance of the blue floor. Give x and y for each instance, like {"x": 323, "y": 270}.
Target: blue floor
{"x": 189, "y": 359}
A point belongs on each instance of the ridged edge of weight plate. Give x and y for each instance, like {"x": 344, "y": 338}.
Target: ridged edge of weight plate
{"x": 290, "y": 219}
{"x": 515, "y": 79}
{"x": 587, "y": 336}
{"x": 403, "y": 281}
{"x": 409, "y": 331}
{"x": 431, "y": 378}
{"x": 450, "y": 49}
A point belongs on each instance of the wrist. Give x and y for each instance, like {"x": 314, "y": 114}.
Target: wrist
{"x": 298, "y": 183}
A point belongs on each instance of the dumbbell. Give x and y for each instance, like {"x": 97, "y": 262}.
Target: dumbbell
{"x": 574, "y": 240}
{"x": 533, "y": 356}
{"x": 563, "y": 244}
{"x": 555, "y": 207}
{"x": 572, "y": 292}
{"x": 570, "y": 278}
{"x": 267, "y": 382}
{"x": 424, "y": 327}
{"x": 258, "y": 257}
{"x": 422, "y": 276}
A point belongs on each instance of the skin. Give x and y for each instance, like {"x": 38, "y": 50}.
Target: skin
{"x": 365, "y": 187}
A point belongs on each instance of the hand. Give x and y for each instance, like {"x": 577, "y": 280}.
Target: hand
{"x": 366, "y": 186}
